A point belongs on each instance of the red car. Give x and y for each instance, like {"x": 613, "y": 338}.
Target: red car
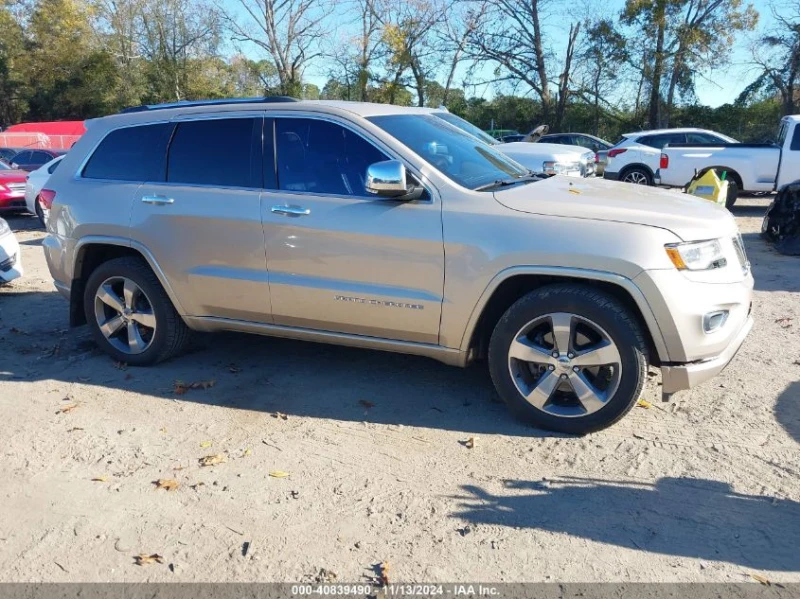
{"x": 12, "y": 188}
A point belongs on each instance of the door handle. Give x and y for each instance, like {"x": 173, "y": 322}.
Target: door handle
{"x": 157, "y": 200}
{"x": 291, "y": 210}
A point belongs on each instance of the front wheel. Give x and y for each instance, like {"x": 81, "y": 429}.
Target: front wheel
{"x": 130, "y": 315}
{"x": 733, "y": 194}
{"x": 568, "y": 358}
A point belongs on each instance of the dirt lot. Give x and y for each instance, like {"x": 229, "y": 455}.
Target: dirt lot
{"x": 706, "y": 488}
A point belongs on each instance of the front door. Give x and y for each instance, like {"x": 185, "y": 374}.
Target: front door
{"x": 203, "y": 222}
{"x": 341, "y": 260}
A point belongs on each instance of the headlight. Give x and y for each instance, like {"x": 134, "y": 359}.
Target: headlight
{"x": 551, "y": 167}
{"x": 4, "y": 228}
{"x": 696, "y": 255}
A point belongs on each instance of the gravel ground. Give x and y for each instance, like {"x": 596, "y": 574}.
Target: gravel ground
{"x": 704, "y": 488}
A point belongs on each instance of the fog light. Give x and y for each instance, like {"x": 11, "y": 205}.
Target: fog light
{"x": 714, "y": 321}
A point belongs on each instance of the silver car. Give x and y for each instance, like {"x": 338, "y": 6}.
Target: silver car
{"x": 387, "y": 228}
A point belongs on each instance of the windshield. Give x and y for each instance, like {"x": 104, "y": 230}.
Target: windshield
{"x": 456, "y": 154}
{"x": 467, "y": 127}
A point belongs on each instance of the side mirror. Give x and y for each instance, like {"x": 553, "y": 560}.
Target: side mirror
{"x": 388, "y": 180}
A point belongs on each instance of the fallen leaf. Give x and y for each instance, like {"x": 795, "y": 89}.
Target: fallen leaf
{"x": 213, "y": 460}
{"x": 325, "y": 576}
{"x": 278, "y": 474}
{"x": 247, "y": 452}
{"x": 366, "y": 404}
{"x": 194, "y": 486}
{"x": 470, "y": 444}
{"x": 66, "y": 409}
{"x": 383, "y": 570}
{"x": 180, "y": 387}
{"x": 74, "y": 428}
{"x": 643, "y": 403}
{"x": 763, "y": 580}
{"x": 280, "y": 416}
{"x": 167, "y": 484}
{"x": 206, "y": 444}
{"x": 163, "y": 429}
{"x": 143, "y": 559}
{"x": 100, "y": 479}
{"x": 234, "y": 369}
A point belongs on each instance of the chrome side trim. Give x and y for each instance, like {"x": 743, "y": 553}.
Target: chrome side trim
{"x": 447, "y": 355}
{"x": 576, "y": 273}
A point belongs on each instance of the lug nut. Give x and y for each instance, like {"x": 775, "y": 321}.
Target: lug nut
{"x": 575, "y": 369}
{"x": 570, "y": 356}
{"x": 563, "y": 376}
{"x": 551, "y": 367}
{"x": 555, "y": 354}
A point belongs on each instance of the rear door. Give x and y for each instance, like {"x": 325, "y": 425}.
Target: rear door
{"x": 201, "y": 220}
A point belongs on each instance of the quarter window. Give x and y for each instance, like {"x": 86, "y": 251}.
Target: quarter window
{"x": 234, "y": 162}
{"x": 131, "y": 154}
{"x": 323, "y": 157}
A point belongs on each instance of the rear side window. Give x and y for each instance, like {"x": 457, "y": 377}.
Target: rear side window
{"x": 217, "y": 152}
{"x": 52, "y": 168}
{"x": 131, "y": 154}
{"x": 659, "y": 141}
{"x": 795, "y": 139}
{"x": 23, "y": 157}
{"x": 40, "y": 158}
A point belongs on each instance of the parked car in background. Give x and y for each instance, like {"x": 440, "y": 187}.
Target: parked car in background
{"x": 499, "y": 134}
{"x": 30, "y": 160}
{"x": 7, "y": 154}
{"x": 550, "y": 159}
{"x": 635, "y": 158}
{"x": 597, "y": 145}
{"x": 10, "y": 256}
{"x": 513, "y": 138}
{"x": 747, "y": 167}
{"x": 12, "y": 189}
{"x": 36, "y": 180}
{"x": 386, "y": 228}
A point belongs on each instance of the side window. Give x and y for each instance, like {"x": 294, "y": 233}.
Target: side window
{"x": 237, "y": 164}
{"x": 703, "y": 138}
{"x": 52, "y": 168}
{"x": 23, "y": 157}
{"x": 131, "y": 154}
{"x": 322, "y": 157}
{"x": 659, "y": 141}
{"x": 795, "y": 139}
{"x": 41, "y": 158}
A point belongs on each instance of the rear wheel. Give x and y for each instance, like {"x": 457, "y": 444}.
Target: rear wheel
{"x": 733, "y": 194}
{"x": 568, "y": 358}
{"x": 637, "y": 176}
{"x": 39, "y": 211}
{"x": 130, "y": 315}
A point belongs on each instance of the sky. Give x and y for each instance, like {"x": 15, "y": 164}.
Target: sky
{"x": 719, "y": 86}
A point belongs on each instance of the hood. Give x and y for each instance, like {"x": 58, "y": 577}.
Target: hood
{"x": 13, "y": 175}
{"x": 688, "y": 217}
{"x": 521, "y": 150}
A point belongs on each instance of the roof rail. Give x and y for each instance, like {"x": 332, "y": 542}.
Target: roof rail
{"x": 218, "y": 102}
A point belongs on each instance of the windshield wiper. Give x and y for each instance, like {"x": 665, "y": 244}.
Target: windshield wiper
{"x": 529, "y": 178}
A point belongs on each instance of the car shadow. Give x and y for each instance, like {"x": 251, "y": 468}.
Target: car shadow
{"x": 259, "y": 373}
{"x": 772, "y": 270}
{"x": 23, "y": 222}
{"x": 685, "y": 517}
{"x": 787, "y": 408}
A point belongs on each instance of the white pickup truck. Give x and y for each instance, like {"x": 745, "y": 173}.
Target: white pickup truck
{"x": 748, "y": 167}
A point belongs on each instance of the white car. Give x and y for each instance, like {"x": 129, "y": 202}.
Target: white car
{"x": 10, "y": 257}
{"x": 636, "y": 158}
{"x": 35, "y": 183}
{"x": 551, "y": 159}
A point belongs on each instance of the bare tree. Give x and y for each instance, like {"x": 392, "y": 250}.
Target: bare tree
{"x": 288, "y": 31}
{"x": 510, "y": 35}
{"x": 461, "y": 20}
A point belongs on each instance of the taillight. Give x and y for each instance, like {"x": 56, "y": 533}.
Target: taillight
{"x": 616, "y": 152}
{"x": 597, "y": 158}
{"x": 46, "y": 197}
{"x": 664, "y": 161}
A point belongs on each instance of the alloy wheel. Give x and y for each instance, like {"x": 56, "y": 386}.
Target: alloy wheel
{"x": 636, "y": 177}
{"x": 125, "y": 315}
{"x": 565, "y": 365}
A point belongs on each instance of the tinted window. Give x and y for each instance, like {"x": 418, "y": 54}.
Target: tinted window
{"x": 703, "y": 138}
{"x": 659, "y": 141}
{"x": 795, "y": 139}
{"x": 52, "y": 168}
{"x": 131, "y": 154}
{"x": 323, "y": 157}
{"x": 219, "y": 152}
{"x": 23, "y": 157}
{"x": 40, "y": 158}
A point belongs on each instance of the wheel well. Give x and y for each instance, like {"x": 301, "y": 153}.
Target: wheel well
{"x": 89, "y": 258}
{"x": 513, "y": 288}
{"x": 638, "y": 165}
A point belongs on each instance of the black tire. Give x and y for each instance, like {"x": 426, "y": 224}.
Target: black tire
{"x": 596, "y": 306}
{"x": 636, "y": 172}
{"x": 39, "y": 213}
{"x": 733, "y": 194}
{"x": 171, "y": 334}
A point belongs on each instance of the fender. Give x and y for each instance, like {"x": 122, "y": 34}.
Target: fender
{"x": 573, "y": 273}
{"x": 134, "y": 245}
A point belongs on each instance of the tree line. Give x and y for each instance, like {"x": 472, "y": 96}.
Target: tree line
{"x": 572, "y": 66}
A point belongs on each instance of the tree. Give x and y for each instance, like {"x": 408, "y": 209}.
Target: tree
{"x": 288, "y": 31}
{"x": 12, "y": 85}
{"x": 684, "y": 35}
{"x": 510, "y": 34}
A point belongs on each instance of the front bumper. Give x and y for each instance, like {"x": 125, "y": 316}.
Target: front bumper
{"x": 10, "y": 259}
{"x": 12, "y": 201}
{"x": 685, "y": 376}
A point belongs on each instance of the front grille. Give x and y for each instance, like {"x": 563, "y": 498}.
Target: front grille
{"x": 738, "y": 245}
{"x": 16, "y": 187}
{"x": 8, "y": 264}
